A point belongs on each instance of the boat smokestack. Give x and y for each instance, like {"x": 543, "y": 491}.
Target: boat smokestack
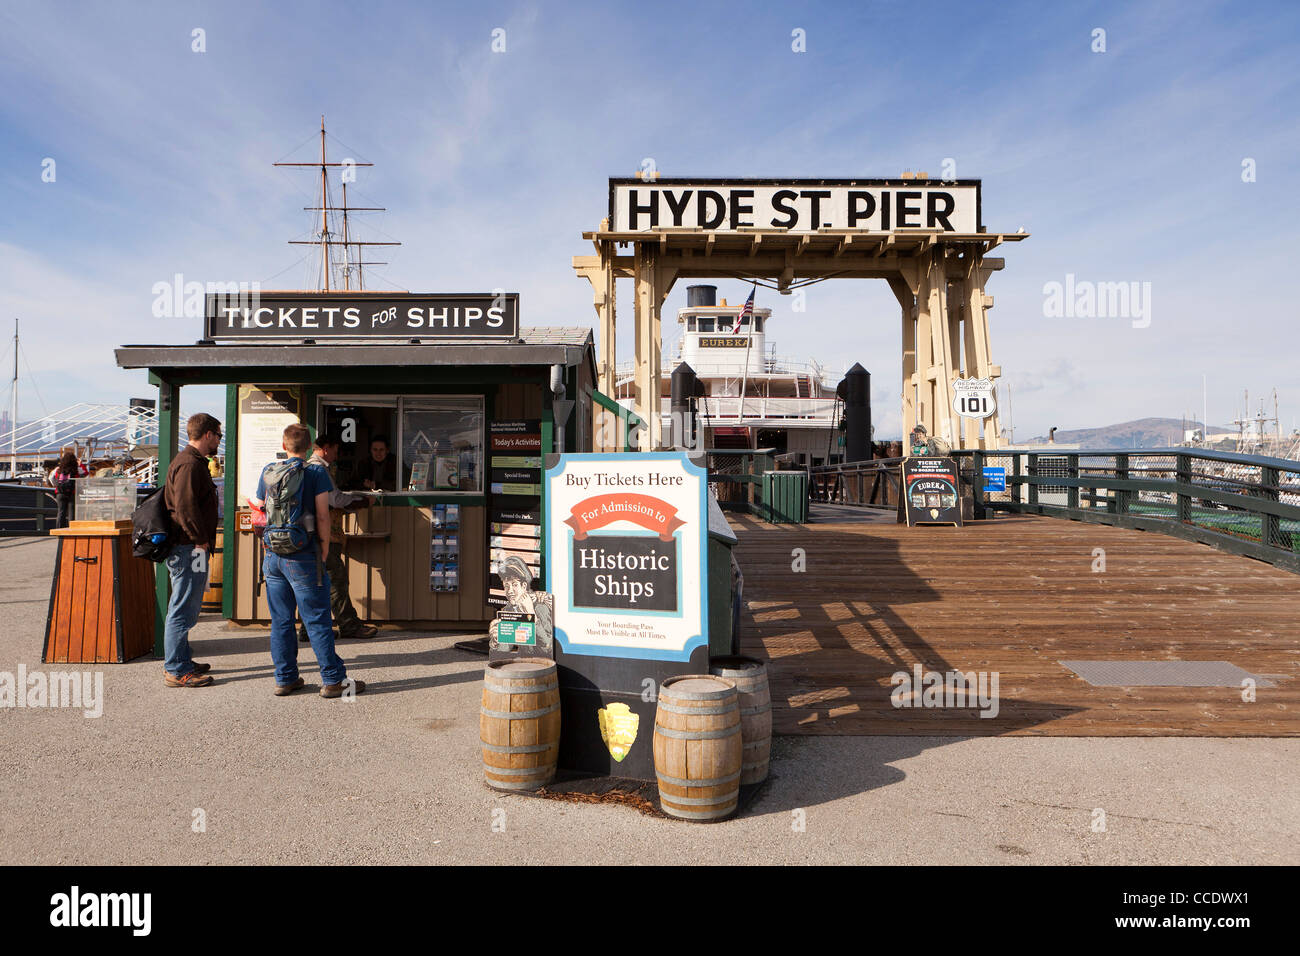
{"x": 701, "y": 296}
{"x": 855, "y": 392}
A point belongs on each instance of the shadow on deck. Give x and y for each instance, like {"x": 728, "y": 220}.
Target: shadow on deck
{"x": 1012, "y": 596}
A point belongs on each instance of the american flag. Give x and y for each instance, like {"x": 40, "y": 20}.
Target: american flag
{"x": 747, "y": 310}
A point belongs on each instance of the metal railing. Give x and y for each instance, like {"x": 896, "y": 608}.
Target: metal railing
{"x": 736, "y": 477}
{"x": 870, "y": 484}
{"x": 26, "y": 510}
{"x": 1242, "y": 504}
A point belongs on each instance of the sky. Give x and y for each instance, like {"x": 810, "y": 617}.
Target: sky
{"x": 1163, "y": 151}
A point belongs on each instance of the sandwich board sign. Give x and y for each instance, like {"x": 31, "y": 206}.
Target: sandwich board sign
{"x": 931, "y": 491}
{"x": 627, "y": 563}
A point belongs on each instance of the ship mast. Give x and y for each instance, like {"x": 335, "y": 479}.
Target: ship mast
{"x": 13, "y": 413}
{"x": 325, "y": 240}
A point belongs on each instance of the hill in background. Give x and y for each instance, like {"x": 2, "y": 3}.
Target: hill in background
{"x": 1140, "y": 433}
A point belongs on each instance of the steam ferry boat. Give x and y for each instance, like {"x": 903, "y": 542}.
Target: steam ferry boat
{"x": 753, "y": 398}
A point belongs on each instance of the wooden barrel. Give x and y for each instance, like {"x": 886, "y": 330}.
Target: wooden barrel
{"x": 519, "y": 723}
{"x": 750, "y": 678}
{"x": 212, "y": 596}
{"x": 697, "y": 747}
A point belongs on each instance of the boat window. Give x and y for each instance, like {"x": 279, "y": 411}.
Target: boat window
{"x": 690, "y": 323}
{"x": 758, "y": 323}
{"x": 706, "y": 323}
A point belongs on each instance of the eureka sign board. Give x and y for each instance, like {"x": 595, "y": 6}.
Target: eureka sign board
{"x": 797, "y": 205}
{"x": 626, "y": 542}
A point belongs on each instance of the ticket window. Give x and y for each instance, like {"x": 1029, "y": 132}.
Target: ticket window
{"x": 367, "y": 443}
{"x": 421, "y": 444}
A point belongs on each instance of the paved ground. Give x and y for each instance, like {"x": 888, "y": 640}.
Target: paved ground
{"x": 395, "y": 778}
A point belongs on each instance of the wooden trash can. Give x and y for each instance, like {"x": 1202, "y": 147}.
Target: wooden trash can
{"x": 750, "y": 677}
{"x": 212, "y": 596}
{"x": 519, "y": 723}
{"x": 102, "y": 599}
{"x": 697, "y": 747}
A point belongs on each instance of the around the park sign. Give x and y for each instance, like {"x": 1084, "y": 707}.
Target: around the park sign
{"x": 797, "y": 205}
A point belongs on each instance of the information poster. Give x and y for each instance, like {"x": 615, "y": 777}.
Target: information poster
{"x": 931, "y": 491}
{"x": 264, "y": 413}
{"x": 515, "y": 507}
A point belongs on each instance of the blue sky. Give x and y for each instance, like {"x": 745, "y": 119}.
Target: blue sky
{"x": 1124, "y": 165}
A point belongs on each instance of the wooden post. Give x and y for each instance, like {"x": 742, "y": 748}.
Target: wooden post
{"x": 906, "y": 295}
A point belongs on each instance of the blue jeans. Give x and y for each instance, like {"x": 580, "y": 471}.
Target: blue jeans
{"x": 301, "y": 582}
{"x": 187, "y": 566}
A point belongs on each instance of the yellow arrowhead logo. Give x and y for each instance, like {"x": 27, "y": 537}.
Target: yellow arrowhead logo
{"x": 618, "y": 726}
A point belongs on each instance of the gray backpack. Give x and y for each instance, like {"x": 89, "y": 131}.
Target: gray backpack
{"x": 286, "y": 531}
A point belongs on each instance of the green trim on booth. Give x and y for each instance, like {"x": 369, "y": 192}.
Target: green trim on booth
{"x": 231, "y": 472}
{"x": 168, "y": 437}
{"x": 631, "y": 420}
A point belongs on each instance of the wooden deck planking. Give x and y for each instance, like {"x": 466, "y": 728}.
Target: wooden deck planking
{"x": 1015, "y": 596}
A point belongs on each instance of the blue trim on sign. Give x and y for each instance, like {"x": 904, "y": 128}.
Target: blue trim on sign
{"x": 639, "y": 653}
{"x": 607, "y": 650}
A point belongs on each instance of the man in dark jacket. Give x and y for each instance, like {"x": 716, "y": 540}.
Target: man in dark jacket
{"x": 191, "y": 499}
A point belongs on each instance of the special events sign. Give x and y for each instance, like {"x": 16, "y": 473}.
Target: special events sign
{"x": 799, "y": 205}
{"x": 274, "y": 316}
{"x": 626, "y": 541}
{"x": 931, "y": 491}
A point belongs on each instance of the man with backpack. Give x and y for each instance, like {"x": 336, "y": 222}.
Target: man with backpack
{"x": 191, "y": 501}
{"x": 295, "y": 497}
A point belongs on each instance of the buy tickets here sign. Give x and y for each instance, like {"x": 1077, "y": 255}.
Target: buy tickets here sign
{"x": 626, "y": 535}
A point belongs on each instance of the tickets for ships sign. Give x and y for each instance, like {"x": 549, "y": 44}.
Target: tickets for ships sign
{"x": 626, "y": 542}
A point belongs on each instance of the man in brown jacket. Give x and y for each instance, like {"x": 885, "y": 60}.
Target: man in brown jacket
{"x": 191, "y": 500}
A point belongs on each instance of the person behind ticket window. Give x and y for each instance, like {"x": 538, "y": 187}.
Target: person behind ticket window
{"x": 379, "y": 471}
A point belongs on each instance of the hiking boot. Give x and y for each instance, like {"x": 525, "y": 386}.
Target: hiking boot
{"x": 192, "y": 679}
{"x": 330, "y": 691}
{"x": 284, "y": 690}
{"x": 199, "y": 669}
{"x": 364, "y": 632}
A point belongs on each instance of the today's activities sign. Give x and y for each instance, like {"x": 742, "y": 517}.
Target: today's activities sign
{"x": 626, "y": 537}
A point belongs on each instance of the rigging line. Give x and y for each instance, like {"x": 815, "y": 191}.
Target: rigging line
{"x": 395, "y": 285}
{"x": 23, "y": 352}
{"x": 356, "y": 157}
{"x": 284, "y": 270}
{"x": 314, "y": 134}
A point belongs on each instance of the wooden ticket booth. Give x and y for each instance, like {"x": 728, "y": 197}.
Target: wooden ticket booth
{"x": 445, "y": 407}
